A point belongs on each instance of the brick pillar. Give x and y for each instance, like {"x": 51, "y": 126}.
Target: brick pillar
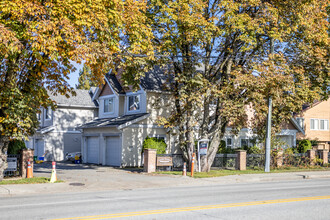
{"x": 150, "y": 160}
{"x": 279, "y": 159}
{"x": 241, "y": 160}
{"x": 311, "y": 156}
{"x": 25, "y": 155}
{"x": 324, "y": 155}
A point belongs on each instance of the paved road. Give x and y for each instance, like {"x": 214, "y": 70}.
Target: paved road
{"x": 303, "y": 199}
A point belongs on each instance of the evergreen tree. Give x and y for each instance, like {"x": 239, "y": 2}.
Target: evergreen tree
{"x": 85, "y": 80}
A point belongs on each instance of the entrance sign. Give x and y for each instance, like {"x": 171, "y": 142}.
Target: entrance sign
{"x": 202, "y": 150}
{"x": 12, "y": 164}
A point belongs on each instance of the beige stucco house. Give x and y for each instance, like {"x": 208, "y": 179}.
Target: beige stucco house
{"x": 315, "y": 121}
{"x": 57, "y": 134}
{"x": 126, "y": 118}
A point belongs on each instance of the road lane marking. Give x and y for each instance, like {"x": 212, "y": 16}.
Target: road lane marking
{"x": 196, "y": 208}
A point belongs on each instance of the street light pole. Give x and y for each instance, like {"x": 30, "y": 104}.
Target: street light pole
{"x": 268, "y": 135}
{"x": 269, "y": 122}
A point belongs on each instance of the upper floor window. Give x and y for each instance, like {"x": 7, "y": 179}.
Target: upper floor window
{"x": 134, "y": 102}
{"x": 319, "y": 124}
{"x": 48, "y": 113}
{"x": 108, "y": 105}
{"x": 39, "y": 116}
{"x": 300, "y": 122}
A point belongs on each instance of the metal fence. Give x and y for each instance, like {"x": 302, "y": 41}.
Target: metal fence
{"x": 255, "y": 161}
{"x": 225, "y": 161}
{"x": 14, "y": 168}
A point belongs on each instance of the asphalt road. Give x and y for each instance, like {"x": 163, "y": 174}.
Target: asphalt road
{"x": 303, "y": 199}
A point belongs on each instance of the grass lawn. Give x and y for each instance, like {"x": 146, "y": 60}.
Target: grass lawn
{"x": 217, "y": 173}
{"x": 34, "y": 180}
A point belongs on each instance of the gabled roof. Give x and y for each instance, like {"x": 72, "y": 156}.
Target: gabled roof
{"x": 119, "y": 122}
{"x": 114, "y": 83}
{"x": 82, "y": 99}
{"x": 296, "y": 124}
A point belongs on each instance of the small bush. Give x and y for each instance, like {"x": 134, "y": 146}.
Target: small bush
{"x": 223, "y": 149}
{"x": 155, "y": 143}
{"x": 253, "y": 150}
{"x": 15, "y": 146}
{"x": 304, "y": 145}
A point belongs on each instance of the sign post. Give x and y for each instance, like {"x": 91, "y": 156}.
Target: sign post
{"x": 202, "y": 150}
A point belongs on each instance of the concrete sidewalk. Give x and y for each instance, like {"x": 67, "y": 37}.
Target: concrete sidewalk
{"x": 88, "y": 178}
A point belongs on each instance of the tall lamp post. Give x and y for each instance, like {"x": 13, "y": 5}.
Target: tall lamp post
{"x": 269, "y": 122}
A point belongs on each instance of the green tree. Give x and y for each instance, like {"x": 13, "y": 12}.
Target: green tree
{"x": 222, "y": 61}
{"x": 40, "y": 39}
{"x": 85, "y": 80}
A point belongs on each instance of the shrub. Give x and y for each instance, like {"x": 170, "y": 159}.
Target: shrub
{"x": 223, "y": 149}
{"x": 155, "y": 143}
{"x": 15, "y": 146}
{"x": 253, "y": 150}
{"x": 304, "y": 145}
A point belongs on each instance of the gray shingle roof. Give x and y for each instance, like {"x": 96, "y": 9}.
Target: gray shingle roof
{"x": 82, "y": 99}
{"x": 156, "y": 80}
{"x": 112, "y": 122}
{"x": 115, "y": 83}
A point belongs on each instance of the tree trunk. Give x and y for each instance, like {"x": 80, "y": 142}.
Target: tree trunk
{"x": 207, "y": 161}
{"x": 4, "y": 141}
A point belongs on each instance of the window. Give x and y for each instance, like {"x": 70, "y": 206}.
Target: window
{"x": 39, "y": 116}
{"x": 48, "y": 113}
{"x": 300, "y": 122}
{"x": 244, "y": 142}
{"x": 324, "y": 124}
{"x": 229, "y": 142}
{"x": 134, "y": 103}
{"x": 319, "y": 124}
{"x": 108, "y": 105}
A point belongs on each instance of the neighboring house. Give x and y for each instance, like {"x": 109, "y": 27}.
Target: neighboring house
{"x": 315, "y": 122}
{"x": 56, "y": 134}
{"x": 246, "y": 137}
{"x": 126, "y": 118}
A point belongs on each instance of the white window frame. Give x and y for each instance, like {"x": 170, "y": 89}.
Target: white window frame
{"x": 133, "y": 95}
{"x": 244, "y": 138}
{"x": 318, "y": 123}
{"x": 50, "y": 112}
{"x": 158, "y": 136}
{"x": 231, "y": 140}
{"x": 39, "y": 116}
{"x": 113, "y": 105}
{"x": 301, "y": 122}
{"x": 325, "y": 125}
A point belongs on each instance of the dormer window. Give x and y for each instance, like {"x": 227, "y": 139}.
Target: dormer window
{"x": 108, "y": 105}
{"x": 134, "y": 103}
{"x": 39, "y": 116}
{"x": 48, "y": 113}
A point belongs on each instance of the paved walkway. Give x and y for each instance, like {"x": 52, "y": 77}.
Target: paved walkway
{"x": 81, "y": 177}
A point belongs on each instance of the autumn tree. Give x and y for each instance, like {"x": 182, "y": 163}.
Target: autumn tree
{"x": 39, "y": 41}
{"x": 85, "y": 80}
{"x": 228, "y": 54}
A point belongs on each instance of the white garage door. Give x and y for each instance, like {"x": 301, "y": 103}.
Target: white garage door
{"x": 113, "y": 151}
{"x": 93, "y": 150}
{"x": 39, "y": 149}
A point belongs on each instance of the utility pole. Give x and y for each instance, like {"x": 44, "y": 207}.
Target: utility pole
{"x": 269, "y": 122}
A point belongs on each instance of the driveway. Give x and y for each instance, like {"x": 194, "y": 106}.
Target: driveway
{"x": 96, "y": 178}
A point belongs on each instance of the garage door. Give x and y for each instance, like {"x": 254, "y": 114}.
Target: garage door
{"x": 93, "y": 150}
{"x": 113, "y": 151}
{"x": 39, "y": 148}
